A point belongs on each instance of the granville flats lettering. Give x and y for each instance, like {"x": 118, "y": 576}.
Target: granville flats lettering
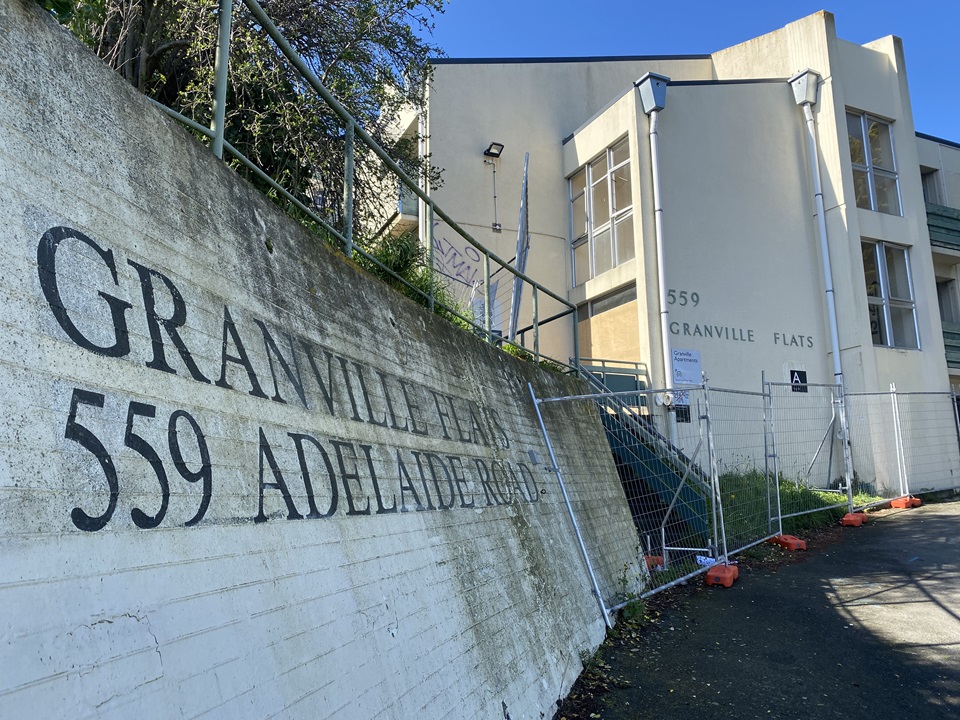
{"x": 338, "y": 475}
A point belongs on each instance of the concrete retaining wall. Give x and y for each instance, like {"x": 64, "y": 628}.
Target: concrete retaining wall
{"x": 239, "y": 478}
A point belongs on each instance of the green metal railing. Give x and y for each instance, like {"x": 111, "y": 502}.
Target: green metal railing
{"x": 482, "y": 326}
{"x": 944, "y": 226}
{"x": 951, "y": 343}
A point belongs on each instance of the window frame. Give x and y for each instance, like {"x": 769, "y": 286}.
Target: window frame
{"x": 868, "y": 168}
{"x": 885, "y": 300}
{"x": 930, "y": 182}
{"x": 615, "y": 215}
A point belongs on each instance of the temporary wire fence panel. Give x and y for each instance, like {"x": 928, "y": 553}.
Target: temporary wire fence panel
{"x": 928, "y": 431}
{"x": 807, "y": 437}
{"x": 667, "y": 484}
{"x": 666, "y": 491}
{"x": 741, "y": 450}
{"x": 875, "y": 445}
{"x": 709, "y": 472}
{"x": 616, "y": 557}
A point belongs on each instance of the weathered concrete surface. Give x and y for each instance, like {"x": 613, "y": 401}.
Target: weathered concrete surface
{"x": 238, "y": 477}
{"x": 868, "y": 628}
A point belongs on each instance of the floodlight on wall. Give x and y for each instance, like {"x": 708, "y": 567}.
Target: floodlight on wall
{"x": 653, "y": 91}
{"x": 493, "y": 150}
{"x": 805, "y": 85}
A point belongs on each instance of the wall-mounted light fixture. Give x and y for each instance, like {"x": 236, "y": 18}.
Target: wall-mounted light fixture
{"x": 494, "y": 150}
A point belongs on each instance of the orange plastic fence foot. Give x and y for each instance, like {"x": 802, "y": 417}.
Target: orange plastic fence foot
{"x": 853, "y": 519}
{"x": 789, "y": 542}
{"x": 654, "y": 561}
{"x": 905, "y": 502}
{"x": 722, "y": 575}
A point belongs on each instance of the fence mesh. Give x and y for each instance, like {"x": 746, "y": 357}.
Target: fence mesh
{"x": 615, "y": 583}
{"x": 903, "y": 443}
{"x": 741, "y": 449}
{"x": 929, "y": 440}
{"x": 667, "y": 485}
{"x": 806, "y": 430}
{"x": 720, "y": 470}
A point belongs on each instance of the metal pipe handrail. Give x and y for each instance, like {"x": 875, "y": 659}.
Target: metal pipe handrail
{"x": 216, "y": 136}
{"x": 284, "y": 46}
{"x": 651, "y": 435}
{"x": 313, "y": 216}
{"x": 247, "y": 163}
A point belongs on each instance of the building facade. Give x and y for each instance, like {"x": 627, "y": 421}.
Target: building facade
{"x": 744, "y": 282}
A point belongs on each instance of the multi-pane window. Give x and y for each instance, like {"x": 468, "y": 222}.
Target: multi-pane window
{"x": 890, "y": 298}
{"x": 874, "y": 167}
{"x": 602, "y": 214}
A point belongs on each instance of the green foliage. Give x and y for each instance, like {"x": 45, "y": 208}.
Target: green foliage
{"x": 60, "y": 9}
{"x": 371, "y": 54}
{"x": 401, "y": 262}
{"x": 745, "y": 504}
{"x": 522, "y": 353}
{"x": 635, "y": 612}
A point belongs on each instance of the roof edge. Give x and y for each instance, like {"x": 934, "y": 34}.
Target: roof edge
{"x": 554, "y": 60}
{"x": 934, "y": 138}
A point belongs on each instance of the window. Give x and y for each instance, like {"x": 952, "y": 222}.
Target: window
{"x": 893, "y": 312}
{"x": 874, "y": 168}
{"x": 947, "y": 299}
{"x": 607, "y": 302}
{"x": 601, "y": 214}
{"x": 613, "y": 300}
{"x": 931, "y": 186}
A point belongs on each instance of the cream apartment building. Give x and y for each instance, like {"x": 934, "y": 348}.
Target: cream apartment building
{"x": 744, "y": 275}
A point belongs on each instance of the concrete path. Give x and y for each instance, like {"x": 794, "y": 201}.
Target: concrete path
{"x": 865, "y": 628}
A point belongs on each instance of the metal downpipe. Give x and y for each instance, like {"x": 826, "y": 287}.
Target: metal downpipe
{"x": 661, "y": 270}
{"x": 831, "y": 301}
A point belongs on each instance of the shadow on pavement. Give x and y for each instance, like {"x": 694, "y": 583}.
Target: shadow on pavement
{"x": 868, "y": 627}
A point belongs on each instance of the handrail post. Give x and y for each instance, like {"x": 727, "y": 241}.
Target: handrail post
{"x": 431, "y": 299}
{"x": 225, "y": 19}
{"x": 348, "y": 142}
{"x": 536, "y": 326}
{"x": 576, "y": 340}
{"x": 486, "y": 298}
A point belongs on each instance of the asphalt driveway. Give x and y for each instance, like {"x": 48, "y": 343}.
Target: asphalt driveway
{"x": 867, "y": 626}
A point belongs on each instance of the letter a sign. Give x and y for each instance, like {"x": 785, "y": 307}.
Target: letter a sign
{"x": 798, "y": 380}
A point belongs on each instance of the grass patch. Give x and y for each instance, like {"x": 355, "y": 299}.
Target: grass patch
{"x": 750, "y": 500}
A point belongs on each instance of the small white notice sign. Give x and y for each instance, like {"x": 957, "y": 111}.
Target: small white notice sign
{"x": 686, "y": 367}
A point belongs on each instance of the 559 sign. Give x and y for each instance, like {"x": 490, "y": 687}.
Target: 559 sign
{"x": 139, "y": 413}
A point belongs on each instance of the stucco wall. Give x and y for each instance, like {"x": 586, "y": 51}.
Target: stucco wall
{"x": 239, "y": 478}
{"x": 529, "y": 106}
{"x": 736, "y": 154}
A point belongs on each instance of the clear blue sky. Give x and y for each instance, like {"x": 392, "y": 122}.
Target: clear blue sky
{"x": 566, "y": 28}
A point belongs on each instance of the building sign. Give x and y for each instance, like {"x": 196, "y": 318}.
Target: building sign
{"x": 409, "y": 447}
{"x": 798, "y": 381}
{"x": 686, "y": 367}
